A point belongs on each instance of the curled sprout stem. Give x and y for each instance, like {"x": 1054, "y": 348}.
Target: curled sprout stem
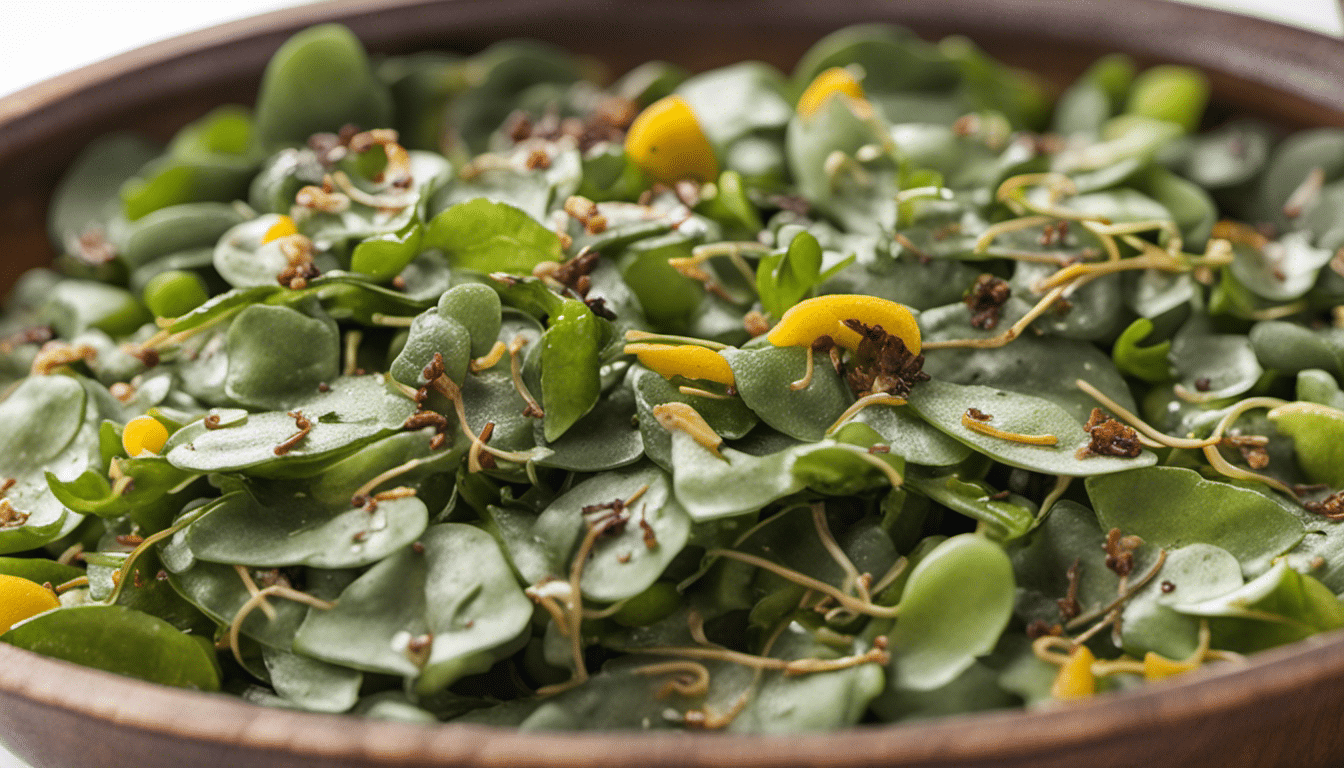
{"x": 119, "y": 578}
{"x": 391, "y": 321}
{"x": 75, "y": 583}
{"x": 877, "y": 398}
{"x": 489, "y": 359}
{"x": 382, "y": 477}
{"x": 994, "y": 231}
{"x": 853, "y": 579}
{"x": 352, "y": 340}
{"x": 689, "y": 678}
{"x": 1016, "y": 437}
{"x": 1139, "y": 424}
{"x": 516, "y": 373}
{"x": 697, "y": 392}
{"x": 253, "y": 589}
{"x": 876, "y": 655}
{"x": 253, "y": 602}
{"x": 1013, "y": 331}
{"x": 1123, "y": 597}
{"x": 864, "y": 607}
{"x": 806, "y": 381}
{"x": 734, "y": 251}
{"x": 449, "y": 389}
{"x": 1062, "y": 483}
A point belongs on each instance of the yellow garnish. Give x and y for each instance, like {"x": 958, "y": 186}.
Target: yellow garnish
{"x": 683, "y": 418}
{"x": 1075, "y": 679}
{"x": 22, "y": 599}
{"x": 687, "y": 360}
{"x": 1157, "y": 667}
{"x": 809, "y": 320}
{"x": 667, "y": 143}
{"x": 283, "y": 227}
{"x": 143, "y": 435}
{"x": 835, "y": 80}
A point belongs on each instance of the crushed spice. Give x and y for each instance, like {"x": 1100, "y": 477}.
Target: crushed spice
{"x": 986, "y": 300}
{"x": 1331, "y": 507}
{"x": 1120, "y": 551}
{"x": 882, "y": 363}
{"x": 1109, "y": 437}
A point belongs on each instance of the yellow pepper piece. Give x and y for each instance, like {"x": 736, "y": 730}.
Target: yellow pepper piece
{"x": 1157, "y": 667}
{"x": 283, "y": 227}
{"x": 1075, "y": 679}
{"x": 143, "y": 435}
{"x": 22, "y": 599}
{"x": 836, "y": 80}
{"x": 809, "y": 320}
{"x": 666, "y": 142}
{"x": 687, "y": 360}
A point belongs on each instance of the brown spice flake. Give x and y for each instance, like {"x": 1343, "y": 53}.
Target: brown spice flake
{"x": 1253, "y": 449}
{"x": 1109, "y": 437}
{"x": 1120, "y": 551}
{"x": 978, "y": 415}
{"x": 986, "y": 301}
{"x": 1068, "y": 605}
{"x": 883, "y": 363}
{"x": 1331, "y": 507}
{"x": 1042, "y": 628}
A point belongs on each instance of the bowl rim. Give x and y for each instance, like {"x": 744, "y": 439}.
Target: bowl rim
{"x": 1295, "y": 56}
{"x": 230, "y": 721}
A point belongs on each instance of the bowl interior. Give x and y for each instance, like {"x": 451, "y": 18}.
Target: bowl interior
{"x": 1279, "y": 710}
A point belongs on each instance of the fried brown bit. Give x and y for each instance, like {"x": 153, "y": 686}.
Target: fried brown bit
{"x": 611, "y": 516}
{"x": 1120, "y": 551}
{"x": 299, "y": 251}
{"x": 1167, "y": 587}
{"x": 1042, "y": 628}
{"x": 650, "y": 537}
{"x": 10, "y": 517}
{"x": 1068, "y": 605}
{"x": 1252, "y": 448}
{"x": 607, "y": 121}
{"x": 435, "y": 368}
{"x": 1054, "y": 233}
{"x": 586, "y": 213}
{"x": 573, "y": 274}
{"x": 304, "y": 425}
{"x": 122, "y": 391}
{"x": 882, "y": 363}
{"x": 986, "y": 300}
{"x": 1202, "y": 384}
{"x": 978, "y": 415}
{"x": 39, "y": 334}
{"x": 130, "y": 540}
{"x": 755, "y": 323}
{"x": 1109, "y": 437}
{"x": 8, "y": 483}
{"x": 1331, "y": 507}
{"x": 211, "y": 421}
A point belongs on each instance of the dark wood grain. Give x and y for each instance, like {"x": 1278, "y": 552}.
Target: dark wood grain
{"x": 1284, "y": 708}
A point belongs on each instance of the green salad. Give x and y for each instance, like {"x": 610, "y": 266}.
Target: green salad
{"x": 466, "y": 388}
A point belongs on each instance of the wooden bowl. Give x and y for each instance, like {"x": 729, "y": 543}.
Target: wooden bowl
{"x": 1283, "y": 708}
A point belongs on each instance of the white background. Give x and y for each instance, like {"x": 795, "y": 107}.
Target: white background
{"x": 41, "y": 38}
